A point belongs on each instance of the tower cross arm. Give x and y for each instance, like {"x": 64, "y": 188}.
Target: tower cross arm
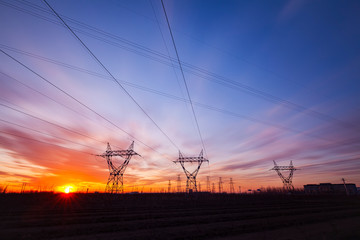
{"x": 284, "y": 168}
{"x": 124, "y": 153}
{"x": 191, "y": 159}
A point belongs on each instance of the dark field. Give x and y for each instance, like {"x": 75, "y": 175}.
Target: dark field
{"x": 178, "y": 216}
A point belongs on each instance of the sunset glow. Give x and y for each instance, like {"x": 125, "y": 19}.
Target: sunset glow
{"x": 68, "y": 189}
{"x": 273, "y": 81}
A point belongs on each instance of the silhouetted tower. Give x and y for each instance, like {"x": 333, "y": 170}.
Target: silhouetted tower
{"x": 117, "y": 172}
{"x": 220, "y": 185}
{"x": 208, "y": 184}
{"x": 239, "y": 189}
{"x": 178, "y": 184}
{"x": 346, "y": 190}
{"x": 169, "y": 186}
{"x": 191, "y": 176}
{"x": 286, "y": 180}
{"x": 213, "y": 188}
{"x": 232, "y": 189}
{"x": 23, "y": 187}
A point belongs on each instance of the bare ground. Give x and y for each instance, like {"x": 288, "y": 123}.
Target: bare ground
{"x": 178, "y": 216}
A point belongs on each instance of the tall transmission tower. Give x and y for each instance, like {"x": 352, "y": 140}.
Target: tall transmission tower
{"x": 169, "y": 186}
{"x": 232, "y": 189}
{"x": 346, "y": 190}
{"x": 220, "y": 185}
{"x": 213, "y": 188}
{"x": 23, "y": 188}
{"x": 287, "y": 181}
{"x": 191, "y": 176}
{"x": 178, "y": 184}
{"x": 208, "y": 184}
{"x": 117, "y": 172}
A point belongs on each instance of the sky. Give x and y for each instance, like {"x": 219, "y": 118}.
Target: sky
{"x": 268, "y": 81}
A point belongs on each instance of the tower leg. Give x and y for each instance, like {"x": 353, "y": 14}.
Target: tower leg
{"x": 113, "y": 185}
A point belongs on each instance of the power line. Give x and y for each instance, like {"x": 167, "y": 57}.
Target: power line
{"x": 112, "y": 76}
{"x": 78, "y": 101}
{"x": 183, "y": 77}
{"x": 167, "y": 49}
{"x": 34, "y": 130}
{"x": 48, "y": 122}
{"x": 169, "y": 56}
{"x": 35, "y": 140}
{"x": 208, "y": 75}
{"x": 54, "y": 100}
{"x": 45, "y": 95}
{"x": 202, "y": 105}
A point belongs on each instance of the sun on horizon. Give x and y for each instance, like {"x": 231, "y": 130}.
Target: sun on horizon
{"x": 68, "y": 189}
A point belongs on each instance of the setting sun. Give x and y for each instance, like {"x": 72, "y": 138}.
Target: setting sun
{"x": 68, "y": 189}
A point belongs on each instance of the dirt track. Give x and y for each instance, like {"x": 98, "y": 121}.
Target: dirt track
{"x": 178, "y": 216}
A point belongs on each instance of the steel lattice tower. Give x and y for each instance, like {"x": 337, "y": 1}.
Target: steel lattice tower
{"x": 208, "y": 183}
{"x": 178, "y": 184}
{"x": 117, "y": 172}
{"x": 191, "y": 176}
{"x": 232, "y": 189}
{"x": 169, "y": 186}
{"x": 220, "y": 185}
{"x": 286, "y": 180}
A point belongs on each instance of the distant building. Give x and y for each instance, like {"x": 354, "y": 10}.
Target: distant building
{"x": 328, "y": 188}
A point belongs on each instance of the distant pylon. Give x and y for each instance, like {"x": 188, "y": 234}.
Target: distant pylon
{"x": 191, "y": 176}
{"x": 169, "y": 186}
{"x": 287, "y": 181}
{"x": 178, "y": 184}
{"x": 239, "y": 189}
{"x": 117, "y": 172}
{"x": 346, "y": 190}
{"x": 23, "y": 187}
{"x": 232, "y": 190}
{"x": 220, "y": 185}
{"x": 213, "y": 188}
{"x": 208, "y": 184}
{"x": 199, "y": 186}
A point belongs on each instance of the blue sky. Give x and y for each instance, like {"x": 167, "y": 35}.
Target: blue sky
{"x": 269, "y": 81}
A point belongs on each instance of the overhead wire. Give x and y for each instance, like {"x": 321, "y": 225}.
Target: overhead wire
{"x": 36, "y": 140}
{"x": 45, "y": 95}
{"x": 170, "y": 96}
{"x": 46, "y": 121}
{"x": 166, "y": 47}
{"x": 50, "y": 135}
{"x": 112, "y": 76}
{"x": 56, "y": 101}
{"x": 168, "y": 54}
{"x": 126, "y": 83}
{"x": 329, "y": 119}
{"x": 183, "y": 77}
{"x": 79, "y": 102}
{"x": 208, "y": 75}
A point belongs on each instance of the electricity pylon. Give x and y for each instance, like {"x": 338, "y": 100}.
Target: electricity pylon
{"x": 208, "y": 184}
{"x": 178, "y": 184}
{"x": 232, "y": 189}
{"x": 117, "y": 172}
{"x": 220, "y": 185}
{"x": 346, "y": 190}
{"x": 169, "y": 186}
{"x": 191, "y": 176}
{"x": 287, "y": 181}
